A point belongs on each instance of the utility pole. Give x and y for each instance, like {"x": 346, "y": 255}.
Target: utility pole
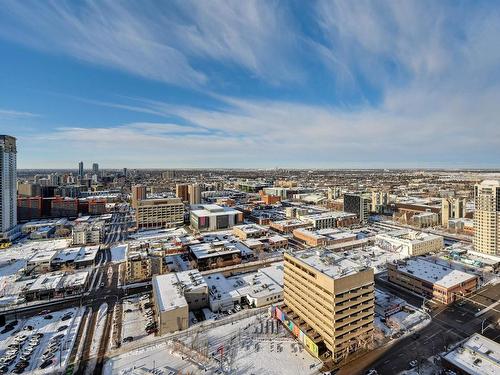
{"x": 482, "y": 325}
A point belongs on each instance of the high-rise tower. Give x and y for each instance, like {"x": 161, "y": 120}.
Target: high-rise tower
{"x": 8, "y": 184}
{"x": 80, "y": 169}
{"x": 487, "y": 217}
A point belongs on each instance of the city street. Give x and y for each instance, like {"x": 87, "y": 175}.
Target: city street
{"x": 118, "y": 228}
{"x": 449, "y": 325}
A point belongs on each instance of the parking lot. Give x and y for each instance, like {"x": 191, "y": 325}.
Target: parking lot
{"x": 40, "y": 344}
{"x": 138, "y": 318}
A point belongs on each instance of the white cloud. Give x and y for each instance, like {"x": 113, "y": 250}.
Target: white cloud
{"x": 9, "y": 113}
{"x": 272, "y": 133}
{"x": 430, "y": 72}
{"x": 163, "y": 42}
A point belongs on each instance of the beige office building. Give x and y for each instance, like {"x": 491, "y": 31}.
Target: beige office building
{"x": 329, "y": 303}
{"x": 138, "y": 194}
{"x": 194, "y": 192}
{"x": 487, "y": 217}
{"x": 451, "y": 208}
{"x": 159, "y": 213}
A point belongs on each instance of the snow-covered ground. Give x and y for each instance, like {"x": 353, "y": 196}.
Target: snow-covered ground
{"x": 133, "y": 320}
{"x": 406, "y": 320}
{"x": 97, "y": 337}
{"x": 249, "y": 348}
{"x": 119, "y": 253}
{"x": 66, "y": 330}
{"x": 403, "y": 322}
{"x": 425, "y": 367}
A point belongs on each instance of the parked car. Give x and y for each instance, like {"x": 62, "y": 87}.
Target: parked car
{"x": 128, "y": 339}
{"x": 46, "y": 364}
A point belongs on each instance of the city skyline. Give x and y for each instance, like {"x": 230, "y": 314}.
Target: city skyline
{"x": 253, "y": 84}
{"x": 249, "y": 187}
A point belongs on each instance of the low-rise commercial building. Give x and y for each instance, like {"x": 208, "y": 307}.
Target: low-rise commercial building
{"x": 431, "y": 279}
{"x": 257, "y": 289}
{"x": 210, "y": 217}
{"x": 387, "y": 304}
{"x": 322, "y": 237}
{"x": 410, "y": 242}
{"x": 288, "y": 226}
{"x": 462, "y": 225}
{"x": 56, "y": 285}
{"x": 174, "y": 295}
{"x": 276, "y": 242}
{"x": 40, "y": 262}
{"x": 425, "y": 219}
{"x": 477, "y": 356}
{"x": 217, "y": 254}
{"x": 244, "y": 232}
{"x": 331, "y": 219}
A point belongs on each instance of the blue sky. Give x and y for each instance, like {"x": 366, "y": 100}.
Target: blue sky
{"x": 319, "y": 84}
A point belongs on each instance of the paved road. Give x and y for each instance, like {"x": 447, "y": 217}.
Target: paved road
{"x": 449, "y": 324}
{"x": 118, "y": 228}
{"x": 111, "y": 294}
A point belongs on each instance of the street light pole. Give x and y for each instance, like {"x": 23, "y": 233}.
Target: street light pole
{"x": 482, "y": 325}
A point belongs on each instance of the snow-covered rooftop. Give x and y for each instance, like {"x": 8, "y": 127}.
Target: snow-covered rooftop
{"x": 327, "y": 262}
{"x": 477, "y": 356}
{"x": 213, "y": 210}
{"x": 217, "y": 248}
{"x": 328, "y": 215}
{"x": 434, "y": 273}
{"x": 170, "y": 288}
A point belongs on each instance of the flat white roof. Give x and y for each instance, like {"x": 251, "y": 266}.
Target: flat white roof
{"x": 170, "y": 288}
{"x": 327, "y": 262}
{"x": 289, "y": 222}
{"x": 43, "y": 256}
{"x": 328, "y": 215}
{"x": 434, "y": 273}
{"x": 208, "y": 250}
{"x": 250, "y": 228}
{"x": 214, "y": 210}
{"x": 276, "y": 238}
{"x": 477, "y": 356}
{"x": 408, "y": 236}
{"x": 265, "y": 281}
